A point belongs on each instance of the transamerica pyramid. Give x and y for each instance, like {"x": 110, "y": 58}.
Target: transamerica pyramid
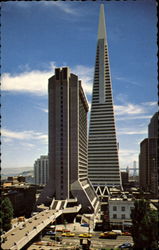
{"x": 103, "y": 164}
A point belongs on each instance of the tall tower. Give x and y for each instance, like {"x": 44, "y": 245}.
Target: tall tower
{"x": 103, "y": 165}
{"x": 68, "y": 166}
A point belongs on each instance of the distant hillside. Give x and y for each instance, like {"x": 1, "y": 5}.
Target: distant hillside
{"x": 17, "y": 171}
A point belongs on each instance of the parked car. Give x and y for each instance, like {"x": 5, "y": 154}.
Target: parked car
{"x": 52, "y": 226}
{"x": 85, "y": 235}
{"x": 126, "y": 233}
{"x": 118, "y": 232}
{"x": 108, "y": 235}
{"x": 68, "y": 234}
{"x": 84, "y": 225}
{"x": 126, "y": 245}
{"x": 65, "y": 231}
{"x": 50, "y": 233}
{"x": 59, "y": 230}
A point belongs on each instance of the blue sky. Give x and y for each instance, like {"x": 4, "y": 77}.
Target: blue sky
{"x": 39, "y": 36}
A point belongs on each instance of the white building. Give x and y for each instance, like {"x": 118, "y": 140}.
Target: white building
{"x": 120, "y": 211}
{"x": 41, "y": 170}
{"x": 103, "y": 164}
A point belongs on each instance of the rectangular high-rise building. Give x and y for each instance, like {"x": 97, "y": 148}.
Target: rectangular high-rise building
{"x": 153, "y": 154}
{"x": 68, "y": 109}
{"x": 153, "y": 166}
{"x": 103, "y": 164}
{"x": 148, "y": 159}
{"x": 153, "y": 127}
{"x": 41, "y": 170}
{"x": 143, "y": 165}
{"x": 68, "y": 166}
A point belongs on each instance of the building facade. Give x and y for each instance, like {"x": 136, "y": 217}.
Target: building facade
{"x": 153, "y": 165}
{"x": 103, "y": 164}
{"x": 153, "y": 161}
{"x": 143, "y": 165}
{"x": 41, "y": 170}
{"x": 22, "y": 197}
{"x": 148, "y": 159}
{"x": 68, "y": 167}
{"x": 120, "y": 211}
{"x": 153, "y": 127}
{"x": 124, "y": 178}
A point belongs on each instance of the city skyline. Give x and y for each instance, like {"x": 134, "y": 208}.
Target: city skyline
{"x": 30, "y": 49}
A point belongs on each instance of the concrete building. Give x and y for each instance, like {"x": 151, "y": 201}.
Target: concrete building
{"x": 143, "y": 165}
{"x": 148, "y": 159}
{"x": 153, "y": 165}
{"x": 153, "y": 161}
{"x": 153, "y": 127}
{"x": 22, "y": 197}
{"x": 41, "y": 170}
{"x": 68, "y": 169}
{"x": 103, "y": 164}
{"x": 124, "y": 178}
{"x": 120, "y": 211}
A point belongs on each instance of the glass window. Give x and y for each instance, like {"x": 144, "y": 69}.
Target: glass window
{"x": 114, "y": 216}
{"x": 123, "y": 216}
{"x": 122, "y": 208}
{"x": 114, "y": 208}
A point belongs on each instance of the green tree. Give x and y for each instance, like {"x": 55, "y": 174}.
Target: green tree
{"x": 6, "y": 214}
{"x": 144, "y": 225}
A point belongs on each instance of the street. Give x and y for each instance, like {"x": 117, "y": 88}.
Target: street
{"x": 74, "y": 242}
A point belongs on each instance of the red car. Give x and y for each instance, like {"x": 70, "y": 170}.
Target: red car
{"x": 126, "y": 233}
{"x": 65, "y": 231}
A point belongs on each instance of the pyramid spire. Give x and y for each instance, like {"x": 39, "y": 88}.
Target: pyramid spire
{"x": 101, "y": 26}
{"x": 103, "y": 164}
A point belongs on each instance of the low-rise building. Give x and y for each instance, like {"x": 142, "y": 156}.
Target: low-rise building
{"x": 22, "y": 197}
{"x": 120, "y": 211}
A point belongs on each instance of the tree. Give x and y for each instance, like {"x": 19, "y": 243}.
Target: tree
{"x": 6, "y": 214}
{"x": 144, "y": 225}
